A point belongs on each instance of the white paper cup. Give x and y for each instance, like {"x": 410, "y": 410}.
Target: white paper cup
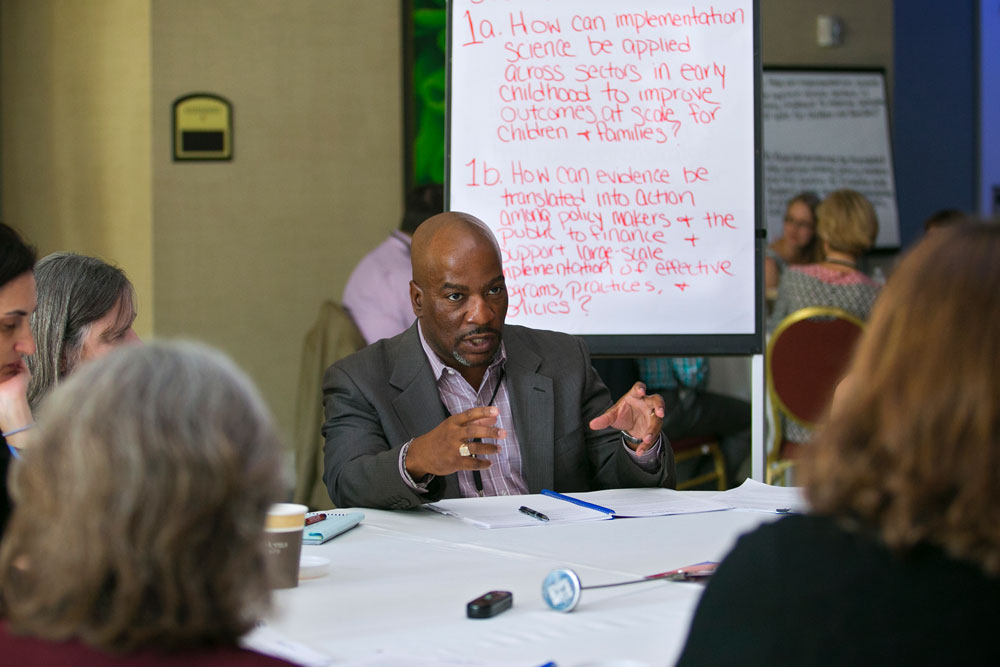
{"x": 283, "y": 542}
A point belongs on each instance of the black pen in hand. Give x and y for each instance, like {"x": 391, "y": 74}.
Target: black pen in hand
{"x": 532, "y": 513}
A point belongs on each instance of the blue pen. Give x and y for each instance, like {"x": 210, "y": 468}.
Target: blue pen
{"x": 576, "y": 501}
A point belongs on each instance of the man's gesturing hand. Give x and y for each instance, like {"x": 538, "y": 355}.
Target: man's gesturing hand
{"x": 636, "y": 413}
{"x": 439, "y": 452}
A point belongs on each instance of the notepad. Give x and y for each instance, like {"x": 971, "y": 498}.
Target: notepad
{"x": 631, "y": 503}
{"x": 502, "y": 511}
{"x": 759, "y": 497}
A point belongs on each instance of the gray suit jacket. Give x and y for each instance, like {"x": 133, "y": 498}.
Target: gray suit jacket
{"x": 381, "y": 397}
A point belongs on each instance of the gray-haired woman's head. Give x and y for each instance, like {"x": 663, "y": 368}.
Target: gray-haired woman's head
{"x": 158, "y": 463}
{"x": 85, "y": 309}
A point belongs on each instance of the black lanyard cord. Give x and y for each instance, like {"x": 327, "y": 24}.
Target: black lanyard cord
{"x": 477, "y": 477}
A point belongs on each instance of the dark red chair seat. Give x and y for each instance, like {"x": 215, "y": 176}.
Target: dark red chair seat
{"x": 807, "y": 356}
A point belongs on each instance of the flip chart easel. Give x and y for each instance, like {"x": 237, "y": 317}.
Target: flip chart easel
{"x": 612, "y": 148}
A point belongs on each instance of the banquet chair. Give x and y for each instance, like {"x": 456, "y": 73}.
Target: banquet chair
{"x": 806, "y": 358}
{"x": 332, "y": 337}
{"x": 695, "y": 447}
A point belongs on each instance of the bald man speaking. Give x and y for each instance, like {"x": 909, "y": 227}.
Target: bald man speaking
{"x": 460, "y": 404}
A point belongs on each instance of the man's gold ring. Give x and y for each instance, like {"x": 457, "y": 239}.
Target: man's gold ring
{"x": 464, "y": 450}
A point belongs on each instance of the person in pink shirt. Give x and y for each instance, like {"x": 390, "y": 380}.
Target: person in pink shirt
{"x": 377, "y": 295}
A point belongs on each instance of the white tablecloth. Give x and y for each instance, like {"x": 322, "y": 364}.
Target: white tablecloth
{"x": 399, "y": 583}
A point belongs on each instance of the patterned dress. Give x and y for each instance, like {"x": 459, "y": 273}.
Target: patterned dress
{"x": 816, "y": 285}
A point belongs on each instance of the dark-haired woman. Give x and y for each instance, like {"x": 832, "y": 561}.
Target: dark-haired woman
{"x": 17, "y": 302}
{"x": 798, "y": 243}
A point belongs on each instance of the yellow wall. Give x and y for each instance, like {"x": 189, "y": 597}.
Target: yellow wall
{"x": 788, "y": 33}
{"x": 242, "y": 252}
{"x": 245, "y": 251}
{"x": 75, "y": 131}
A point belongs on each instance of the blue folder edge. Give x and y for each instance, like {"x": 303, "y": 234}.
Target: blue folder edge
{"x": 335, "y": 523}
{"x": 577, "y": 501}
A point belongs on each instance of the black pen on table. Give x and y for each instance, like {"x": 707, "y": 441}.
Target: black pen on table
{"x": 523, "y": 509}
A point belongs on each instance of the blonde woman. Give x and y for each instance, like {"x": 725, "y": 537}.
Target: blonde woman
{"x": 137, "y": 536}
{"x": 846, "y": 226}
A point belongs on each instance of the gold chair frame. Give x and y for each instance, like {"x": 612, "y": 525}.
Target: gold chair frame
{"x": 778, "y": 467}
{"x": 718, "y": 473}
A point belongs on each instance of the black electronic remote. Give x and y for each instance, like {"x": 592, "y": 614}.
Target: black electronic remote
{"x": 490, "y": 604}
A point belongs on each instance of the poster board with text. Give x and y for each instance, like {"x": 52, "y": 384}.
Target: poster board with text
{"x": 612, "y": 148}
{"x": 825, "y": 130}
